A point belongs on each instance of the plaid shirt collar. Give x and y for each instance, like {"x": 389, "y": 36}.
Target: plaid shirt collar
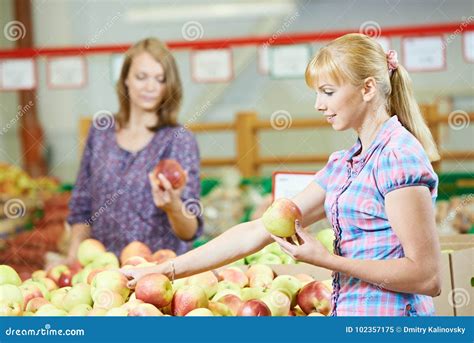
{"x": 382, "y": 137}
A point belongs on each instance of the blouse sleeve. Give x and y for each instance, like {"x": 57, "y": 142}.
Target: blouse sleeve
{"x": 322, "y": 176}
{"x": 80, "y": 205}
{"x": 398, "y": 168}
{"x": 186, "y": 151}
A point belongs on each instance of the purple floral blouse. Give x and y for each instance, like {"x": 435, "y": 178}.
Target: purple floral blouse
{"x": 113, "y": 193}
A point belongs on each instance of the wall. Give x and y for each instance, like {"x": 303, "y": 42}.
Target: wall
{"x": 64, "y": 23}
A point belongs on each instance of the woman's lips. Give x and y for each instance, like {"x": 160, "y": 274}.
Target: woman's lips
{"x": 330, "y": 118}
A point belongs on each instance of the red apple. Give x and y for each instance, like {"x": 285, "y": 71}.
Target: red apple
{"x": 235, "y": 275}
{"x": 254, "y": 308}
{"x": 154, "y": 289}
{"x": 143, "y": 309}
{"x": 134, "y": 261}
{"x": 172, "y": 171}
{"x": 187, "y": 299}
{"x": 279, "y": 218}
{"x": 315, "y": 296}
{"x": 163, "y": 255}
{"x": 55, "y": 272}
{"x": 35, "y": 304}
{"x": 135, "y": 248}
{"x": 30, "y": 291}
{"x": 232, "y": 301}
{"x": 65, "y": 279}
{"x": 207, "y": 280}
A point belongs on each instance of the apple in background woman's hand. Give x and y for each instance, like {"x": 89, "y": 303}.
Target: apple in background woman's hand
{"x": 172, "y": 171}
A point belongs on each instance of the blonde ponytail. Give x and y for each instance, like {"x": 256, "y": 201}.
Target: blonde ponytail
{"x": 402, "y": 103}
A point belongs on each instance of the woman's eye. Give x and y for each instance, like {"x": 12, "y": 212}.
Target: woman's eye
{"x": 328, "y": 93}
{"x": 140, "y": 77}
{"x": 161, "y": 80}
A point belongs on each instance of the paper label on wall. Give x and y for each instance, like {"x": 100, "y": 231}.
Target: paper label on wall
{"x": 287, "y": 185}
{"x": 213, "y": 65}
{"x": 423, "y": 53}
{"x": 116, "y": 63}
{"x": 263, "y": 54}
{"x": 289, "y": 61}
{"x": 468, "y": 46}
{"x": 18, "y": 74}
{"x": 65, "y": 72}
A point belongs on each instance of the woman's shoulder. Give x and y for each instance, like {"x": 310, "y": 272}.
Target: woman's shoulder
{"x": 403, "y": 143}
{"x": 181, "y": 132}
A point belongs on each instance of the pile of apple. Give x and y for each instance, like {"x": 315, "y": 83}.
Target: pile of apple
{"x": 94, "y": 287}
{"x": 103, "y": 291}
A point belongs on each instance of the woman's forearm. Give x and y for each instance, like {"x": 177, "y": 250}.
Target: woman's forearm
{"x": 399, "y": 275}
{"x": 184, "y": 226}
{"x": 235, "y": 243}
{"x": 79, "y": 232}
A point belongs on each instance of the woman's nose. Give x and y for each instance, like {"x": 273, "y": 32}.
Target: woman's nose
{"x": 319, "y": 105}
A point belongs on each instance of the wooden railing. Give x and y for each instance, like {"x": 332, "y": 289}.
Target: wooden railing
{"x": 247, "y": 127}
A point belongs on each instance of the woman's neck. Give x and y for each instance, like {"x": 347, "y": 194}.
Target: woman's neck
{"x": 140, "y": 119}
{"x": 370, "y": 128}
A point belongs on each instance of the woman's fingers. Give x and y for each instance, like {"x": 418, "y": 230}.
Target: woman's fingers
{"x": 131, "y": 284}
{"x": 164, "y": 182}
{"x": 288, "y": 247}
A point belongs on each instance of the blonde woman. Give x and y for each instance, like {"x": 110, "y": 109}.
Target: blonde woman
{"x": 115, "y": 199}
{"x": 378, "y": 194}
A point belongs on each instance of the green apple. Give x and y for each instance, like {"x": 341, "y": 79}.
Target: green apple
{"x": 112, "y": 280}
{"x": 10, "y": 309}
{"x": 105, "y": 260}
{"x": 252, "y": 259}
{"x": 272, "y": 248}
{"x": 279, "y": 219}
{"x": 278, "y": 303}
{"x": 57, "y": 297}
{"x": 107, "y": 299}
{"x": 97, "y": 312}
{"x": 179, "y": 283}
{"x": 78, "y": 294}
{"x": 269, "y": 258}
{"x": 222, "y": 285}
{"x": 286, "y": 259}
{"x": 89, "y": 250}
{"x": 200, "y": 312}
{"x": 326, "y": 237}
{"x": 50, "y": 311}
{"x": 80, "y": 310}
{"x": 219, "y": 309}
{"x": 8, "y": 276}
{"x": 287, "y": 284}
{"x": 117, "y": 312}
{"x": 249, "y": 293}
{"x": 11, "y": 294}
